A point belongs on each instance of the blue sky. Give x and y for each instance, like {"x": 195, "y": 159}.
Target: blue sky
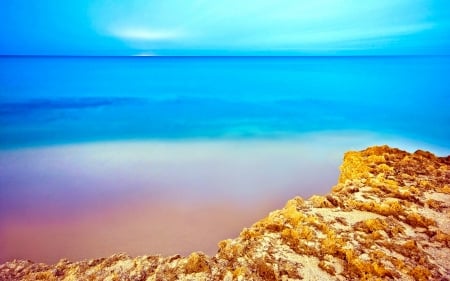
{"x": 234, "y": 27}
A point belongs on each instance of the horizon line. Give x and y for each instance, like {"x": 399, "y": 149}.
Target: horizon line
{"x": 220, "y": 56}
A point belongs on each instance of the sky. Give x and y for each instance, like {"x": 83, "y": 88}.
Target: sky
{"x": 233, "y": 27}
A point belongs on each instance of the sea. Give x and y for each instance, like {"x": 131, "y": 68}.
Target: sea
{"x": 55, "y": 100}
{"x": 143, "y": 155}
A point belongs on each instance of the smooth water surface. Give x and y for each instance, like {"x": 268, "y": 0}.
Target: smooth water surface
{"x": 51, "y": 100}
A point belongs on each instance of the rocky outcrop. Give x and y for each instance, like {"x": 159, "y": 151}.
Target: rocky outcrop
{"x": 387, "y": 218}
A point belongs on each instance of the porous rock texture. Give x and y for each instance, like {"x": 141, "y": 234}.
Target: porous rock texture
{"x": 388, "y": 218}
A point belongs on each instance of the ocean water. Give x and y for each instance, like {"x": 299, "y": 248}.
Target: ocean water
{"x": 53, "y": 100}
{"x": 148, "y": 155}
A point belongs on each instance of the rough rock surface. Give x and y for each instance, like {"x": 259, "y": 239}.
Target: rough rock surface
{"x": 387, "y": 218}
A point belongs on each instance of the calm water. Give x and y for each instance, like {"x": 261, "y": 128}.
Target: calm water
{"x": 170, "y": 155}
{"x": 67, "y": 100}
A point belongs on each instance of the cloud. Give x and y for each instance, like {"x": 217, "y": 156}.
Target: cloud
{"x": 145, "y": 34}
{"x": 347, "y": 35}
{"x": 176, "y": 25}
{"x": 146, "y": 40}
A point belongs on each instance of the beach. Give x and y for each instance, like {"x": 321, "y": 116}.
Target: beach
{"x": 157, "y": 197}
{"x": 100, "y": 155}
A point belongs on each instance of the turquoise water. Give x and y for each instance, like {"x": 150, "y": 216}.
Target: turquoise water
{"x": 54, "y": 100}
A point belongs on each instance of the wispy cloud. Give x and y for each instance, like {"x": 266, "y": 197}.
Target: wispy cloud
{"x": 301, "y": 25}
{"x": 145, "y": 34}
{"x": 315, "y": 37}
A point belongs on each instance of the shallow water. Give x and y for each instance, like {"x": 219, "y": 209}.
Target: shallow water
{"x": 90, "y": 200}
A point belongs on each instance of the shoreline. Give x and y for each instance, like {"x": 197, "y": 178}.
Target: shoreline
{"x": 85, "y": 190}
{"x": 370, "y": 224}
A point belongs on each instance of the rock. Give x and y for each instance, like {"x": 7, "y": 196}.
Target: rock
{"x": 388, "y": 218}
